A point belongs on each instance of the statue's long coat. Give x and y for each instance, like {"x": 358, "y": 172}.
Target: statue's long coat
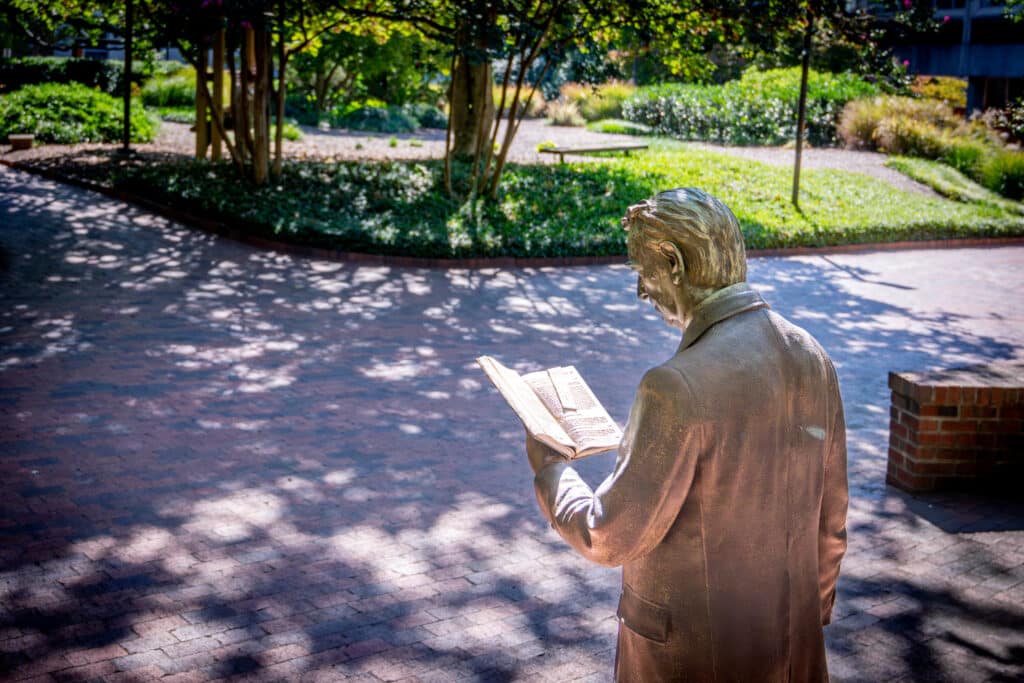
{"x": 727, "y": 505}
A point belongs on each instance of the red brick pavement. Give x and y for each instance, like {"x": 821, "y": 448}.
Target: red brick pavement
{"x": 218, "y": 462}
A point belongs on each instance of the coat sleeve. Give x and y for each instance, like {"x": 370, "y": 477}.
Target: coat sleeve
{"x": 832, "y": 524}
{"x": 633, "y": 508}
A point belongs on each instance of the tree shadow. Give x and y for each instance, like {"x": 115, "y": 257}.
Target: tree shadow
{"x": 238, "y": 462}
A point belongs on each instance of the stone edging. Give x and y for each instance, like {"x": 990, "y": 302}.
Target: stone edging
{"x": 237, "y": 234}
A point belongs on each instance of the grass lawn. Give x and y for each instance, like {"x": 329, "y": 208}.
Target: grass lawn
{"x": 951, "y": 183}
{"x": 549, "y": 210}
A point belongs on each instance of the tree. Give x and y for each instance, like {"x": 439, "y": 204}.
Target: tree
{"x": 791, "y": 28}
{"x": 247, "y": 29}
{"x": 360, "y": 61}
{"x": 517, "y": 33}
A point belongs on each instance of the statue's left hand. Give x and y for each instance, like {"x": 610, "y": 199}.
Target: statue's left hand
{"x": 540, "y": 454}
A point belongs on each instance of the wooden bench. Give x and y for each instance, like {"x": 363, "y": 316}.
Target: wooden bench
{"x": 584, "y": 149}
{"x": 21, "y": 141}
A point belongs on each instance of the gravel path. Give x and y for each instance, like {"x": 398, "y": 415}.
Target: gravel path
{"x": 177, "y": 138}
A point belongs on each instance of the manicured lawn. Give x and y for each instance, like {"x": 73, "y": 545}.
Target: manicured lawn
{"x": 554, "y": 210}
{"x": 951, "y": 183}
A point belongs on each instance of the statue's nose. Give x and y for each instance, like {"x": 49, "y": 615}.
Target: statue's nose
{"x": 641, "y": 293}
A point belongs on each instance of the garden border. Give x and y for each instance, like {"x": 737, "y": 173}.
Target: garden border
{"x": 232, "y": 231}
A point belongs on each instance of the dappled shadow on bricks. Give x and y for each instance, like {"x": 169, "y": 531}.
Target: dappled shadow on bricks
{"x": 235, "y": 462}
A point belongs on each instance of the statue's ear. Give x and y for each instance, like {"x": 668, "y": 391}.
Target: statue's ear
{"x": 671, "y": 251}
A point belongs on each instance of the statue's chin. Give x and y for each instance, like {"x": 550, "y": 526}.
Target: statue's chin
{"x": 669, "y": 317}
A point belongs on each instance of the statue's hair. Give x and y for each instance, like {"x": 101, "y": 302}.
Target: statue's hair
{"x": 703, "y": 228}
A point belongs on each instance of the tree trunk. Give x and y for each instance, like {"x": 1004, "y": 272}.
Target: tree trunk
{"x": 801, "y": 117}
{"x": 261, "y": 108}
{"x": 236, "y": 81}
{"x": 320, "y": 80}
{"x": 282, "y": 60}
{"x": 217, "y": 106}
{"x": 202, "y": 130}
{"x": 128, "y": 31}
{"x": 471, "y": 107}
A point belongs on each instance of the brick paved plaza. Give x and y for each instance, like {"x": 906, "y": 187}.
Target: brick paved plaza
{"x": 218, "y": 461}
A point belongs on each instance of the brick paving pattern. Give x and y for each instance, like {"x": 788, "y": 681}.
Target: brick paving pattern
{"x": 222, "y": 462}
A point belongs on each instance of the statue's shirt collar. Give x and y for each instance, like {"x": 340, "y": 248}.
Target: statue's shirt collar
{"x": 722, "y": 304}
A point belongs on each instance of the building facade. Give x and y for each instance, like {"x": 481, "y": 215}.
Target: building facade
{"x": 976, "y": 41}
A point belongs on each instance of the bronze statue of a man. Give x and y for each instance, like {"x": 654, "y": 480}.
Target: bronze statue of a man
{"x": 727, "y": 504}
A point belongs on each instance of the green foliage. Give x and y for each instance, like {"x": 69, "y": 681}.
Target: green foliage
{"x": 1003, "y": 172}
{"x": 176, "y": 114}
{"x": 530, "y": 106}
{"x": 70, "y": 113}
{"x": 618, "y": 126}
{"x": 377, "y": 119}
{"x": 950, "y": 183}
{"x": 929, "y": 129}
{"x": 861, "y": 119}
{"x": 952, "y": 91}
{"x": 1008, "y": 122}
{"x": 176, "y": 90}
{"x": 598, "y": 102}
{"x": 758, "y": 109}
{"x": 289, "y": 131}
{"x": 347, "y": 66}
{"x": 428, "y": 116}
{"x": 18, "y": 72}
{"x": 555, "y": 210}
{"x": 563, "y": 113}
{"x": 302, "y": 108}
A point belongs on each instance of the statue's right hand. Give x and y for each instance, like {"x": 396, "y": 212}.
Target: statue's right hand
{"x": 540, "y": 454}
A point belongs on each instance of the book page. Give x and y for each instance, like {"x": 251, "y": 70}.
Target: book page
{"x": 567, "y": 396}
{"x": 534, "y": 414}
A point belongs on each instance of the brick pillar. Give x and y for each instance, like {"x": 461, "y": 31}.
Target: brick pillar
{"x": 957, "y": 428}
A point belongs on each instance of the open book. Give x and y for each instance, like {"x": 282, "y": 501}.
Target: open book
{"x": 557, "y": 408}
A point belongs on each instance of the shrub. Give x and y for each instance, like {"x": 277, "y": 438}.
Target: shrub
{"x": 1007, "y": 123}
{"x": 303, "y": 109}
{"x": 861, "y": 119}
{"x": 70, "y": 113}
{"x": 858, "y": 123}
{"x": 758, "y": 109}
{"x": 929, "y": 129}
{"x": 534, "y": 105}
{"x": 952, "y": 91}
{"x": 598, "y": 102}
{"x": 106, "y": 75}
{"x": 964, "y": 154}
{"x": 1003, "y": 172}
{"x": 376, "y": 119}
{"x": 176, "y": 114}
{"x": 178, "y": 90}
{"x": 428, "y": 116}
{"x": 618, "y": 126}
{"x": 911, "y": 137}
{"x": 562, "y": 113}
{"x": 290, "y": 130}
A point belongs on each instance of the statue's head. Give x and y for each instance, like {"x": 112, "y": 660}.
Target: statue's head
{"x": 684, "y": 245}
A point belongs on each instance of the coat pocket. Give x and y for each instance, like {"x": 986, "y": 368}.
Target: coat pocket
{"x": 643, "y": 617}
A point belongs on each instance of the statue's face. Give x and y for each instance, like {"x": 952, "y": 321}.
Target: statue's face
{"x": 654, "y": 284}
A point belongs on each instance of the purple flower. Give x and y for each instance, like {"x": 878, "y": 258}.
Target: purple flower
{"x": 906, "y": 62}
{"x": 907, "y": 3}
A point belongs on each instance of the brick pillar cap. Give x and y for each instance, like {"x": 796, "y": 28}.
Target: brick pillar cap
{"x": 1006, "y": 375}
